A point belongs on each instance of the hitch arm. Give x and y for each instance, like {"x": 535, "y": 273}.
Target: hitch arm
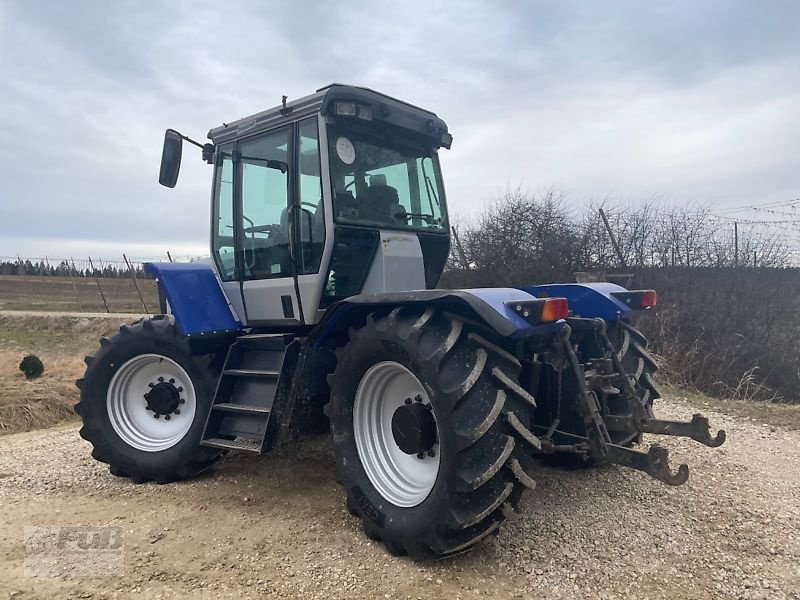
{"x": 698, "y": 429}
{"x": 655, "y": 463}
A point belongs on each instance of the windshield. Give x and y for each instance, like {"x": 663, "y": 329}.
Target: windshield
{"x": 384, "y": 184}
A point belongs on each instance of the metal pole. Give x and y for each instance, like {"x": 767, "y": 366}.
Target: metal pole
{"x": 70, "y": 268}
{"x": 99, "y": 287}
{"x": 169, "y": 256}
{"x": 613, "y": 240}
{"x": 462, "y": 256}
{"x": 135, "y": 284}
{"x": 735, "y": 243}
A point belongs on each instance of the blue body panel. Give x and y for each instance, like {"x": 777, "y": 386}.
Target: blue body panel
{"x": 195, "y": 298}
{"x": 488, "y": 304}
{"x": 588, "y": 300}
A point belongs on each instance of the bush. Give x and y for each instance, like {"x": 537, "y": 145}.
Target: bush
{"x": 31, "y": 366}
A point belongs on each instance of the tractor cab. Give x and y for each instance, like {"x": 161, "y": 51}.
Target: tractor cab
{"x": 316, "y": 200}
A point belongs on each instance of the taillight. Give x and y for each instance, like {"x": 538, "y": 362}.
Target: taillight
{"x": 637, "y": 299}
{"x": 547, "y": 310}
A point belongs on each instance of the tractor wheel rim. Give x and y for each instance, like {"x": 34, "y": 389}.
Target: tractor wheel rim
{"x": 403, "y": 479}
{"x": 128, "y": 409}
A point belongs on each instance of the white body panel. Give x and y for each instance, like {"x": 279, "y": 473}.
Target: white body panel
{"x": 398, "y": 265}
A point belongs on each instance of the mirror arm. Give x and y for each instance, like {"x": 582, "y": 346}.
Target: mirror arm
{"x": 208, "y": 149}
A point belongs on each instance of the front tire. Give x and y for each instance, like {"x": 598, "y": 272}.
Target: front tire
{"x": 429, "y": 494}
{"x": 144, "y": 402}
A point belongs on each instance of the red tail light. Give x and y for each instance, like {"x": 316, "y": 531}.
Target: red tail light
{"x": 637, "y": 299}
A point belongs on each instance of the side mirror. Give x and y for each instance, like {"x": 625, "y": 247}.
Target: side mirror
{"x": 171, "y": 158}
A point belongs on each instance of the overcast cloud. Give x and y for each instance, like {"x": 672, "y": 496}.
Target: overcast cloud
{"x": 694, "y": 101}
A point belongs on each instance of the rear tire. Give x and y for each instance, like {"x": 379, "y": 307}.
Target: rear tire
{"x": 120, "y": 423}
{"x": 481, "y": 417}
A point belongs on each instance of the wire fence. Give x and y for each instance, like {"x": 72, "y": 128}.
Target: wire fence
{"x": 81, "y": 284}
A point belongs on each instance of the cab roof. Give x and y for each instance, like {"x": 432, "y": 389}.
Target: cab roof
{"x": 385, "y": 110}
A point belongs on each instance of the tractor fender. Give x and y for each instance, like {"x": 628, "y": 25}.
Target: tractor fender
{"x": 194, "y": 298}
{"x": 587, "y": 300}
{"x": 486, "y": 305}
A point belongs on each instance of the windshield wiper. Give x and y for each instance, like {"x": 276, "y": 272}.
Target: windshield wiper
{"x": 429, "y": 188}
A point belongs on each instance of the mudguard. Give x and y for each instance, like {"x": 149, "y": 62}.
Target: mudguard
{"x": 195, "y": 298}
{"x": 588, "y": 300}
{"x": 486, "y": 304}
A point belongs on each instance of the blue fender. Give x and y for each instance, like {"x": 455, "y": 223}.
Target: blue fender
{"x": 486, "y": 304}
{"x": 195, "y": 298}
{"x": 588, "y": 300}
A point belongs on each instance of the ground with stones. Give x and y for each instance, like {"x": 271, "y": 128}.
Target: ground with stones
{"x": 276, "y": 526}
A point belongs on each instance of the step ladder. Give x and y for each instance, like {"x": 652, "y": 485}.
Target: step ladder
{"x": 255, "y": 373}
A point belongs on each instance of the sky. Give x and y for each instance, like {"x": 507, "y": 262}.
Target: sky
{"x": 692, "y": 102}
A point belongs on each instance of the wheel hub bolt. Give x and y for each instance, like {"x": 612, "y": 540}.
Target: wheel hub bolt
{"x": 408, "y": 400}
{"x": 418, "y": 398}
{"x": 166, "y": 417}
{"x": 155, "y": 416}
{"x": 431, "y": 453}
{"x": 421, "y": 456}
{"x": 160, "y": 380}
{"x": 180, "y": 389}
{"x": 177, "y": 411}
{"x": 171, "y": 380}
{"x": 182, "y": 401}
{"x": 151, "y": 384}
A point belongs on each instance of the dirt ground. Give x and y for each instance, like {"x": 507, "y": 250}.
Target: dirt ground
{"x": 275, "y": 526}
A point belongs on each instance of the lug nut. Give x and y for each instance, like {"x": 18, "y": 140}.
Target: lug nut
{"x": 177, "y": 411}
{"x": 166, "y": 417}
{"x": 408, "y": 400}
{"x": 183, "y": 401}
{"x": 421, "y": 456}
{"x": 148, "y": 407}
{"x": 180, "y": 389}
{"x": 160, "y": 380}
{"x": 418, "y": 398}
{"x": 151, "y": 385}
{"x": 431, "y": 452}
{"x": 171, "y": 380}
{"x": 155, "y": 416}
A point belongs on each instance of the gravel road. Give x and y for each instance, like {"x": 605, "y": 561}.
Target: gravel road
{"x": 275, "y": 526}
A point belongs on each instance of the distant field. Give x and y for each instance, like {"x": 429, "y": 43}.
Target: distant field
{"x": 77, "y": 295}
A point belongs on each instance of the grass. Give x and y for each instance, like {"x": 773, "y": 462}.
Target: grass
{"x": 771, "y": 413}
{"x": 61, "y": 343}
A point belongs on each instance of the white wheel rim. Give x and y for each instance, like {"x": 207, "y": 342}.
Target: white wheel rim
{"x": 402, "y": 479}
{"x": 127, "y": 407}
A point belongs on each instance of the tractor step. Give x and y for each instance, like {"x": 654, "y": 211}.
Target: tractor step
{"x": 241, "y": 444}
{"x": 255, "y": 373}
{"x": 252, "y": 373}
{"x": 242, "y": 408}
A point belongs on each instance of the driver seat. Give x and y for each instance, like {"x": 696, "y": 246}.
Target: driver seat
{"x": 383, "y": 203}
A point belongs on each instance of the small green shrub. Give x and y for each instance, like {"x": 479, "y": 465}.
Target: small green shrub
{"x": 31, "y": 366}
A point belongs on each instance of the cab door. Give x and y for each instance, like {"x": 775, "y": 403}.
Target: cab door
{"x": 275, "y": 203}
{"x": 264, "y": 171}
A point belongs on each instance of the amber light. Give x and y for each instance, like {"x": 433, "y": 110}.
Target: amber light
{"x": 554, "y": 309}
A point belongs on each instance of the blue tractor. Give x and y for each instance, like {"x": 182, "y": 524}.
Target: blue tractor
{"x": 320, "y": 309}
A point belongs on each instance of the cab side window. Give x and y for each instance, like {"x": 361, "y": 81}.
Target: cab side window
{"x": 311, "y": 214}
{"x": 265, "y": 203}
{"x": 223, "y": 233}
